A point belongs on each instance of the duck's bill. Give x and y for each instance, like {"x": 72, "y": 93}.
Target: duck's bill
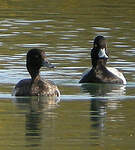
{"x": 48, "y": 65}
{"x": 102, "y": 53}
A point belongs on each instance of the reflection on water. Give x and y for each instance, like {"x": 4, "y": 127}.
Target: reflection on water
{"x": 98, "y": 113}
{"x": 36, "y": 110}
{"x": 93, "y": 123}
{"x": 103, "y": 90}
{"x": 104, "y": 95}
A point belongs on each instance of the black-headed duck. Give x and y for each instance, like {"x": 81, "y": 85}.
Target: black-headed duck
{"x": 36, "y": 86}
{"x": 99, "y": 72}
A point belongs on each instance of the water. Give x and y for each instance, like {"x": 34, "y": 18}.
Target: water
{"x": 93, "y": 116}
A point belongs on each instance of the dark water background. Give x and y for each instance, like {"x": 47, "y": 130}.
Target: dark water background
{"x": 91, "y": 117}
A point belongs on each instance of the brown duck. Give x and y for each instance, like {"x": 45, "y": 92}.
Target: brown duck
{"x": 36, "y": 86}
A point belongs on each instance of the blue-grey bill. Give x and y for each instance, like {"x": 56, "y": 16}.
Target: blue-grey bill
{"x": 48, "y": 65}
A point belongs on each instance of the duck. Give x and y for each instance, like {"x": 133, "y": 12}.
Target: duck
{"x": 36, "y": 85}
{"x": 100, "y": 73}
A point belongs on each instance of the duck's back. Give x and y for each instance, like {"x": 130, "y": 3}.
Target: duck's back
{"x": 23, "y": 88}
{"x": 40, "y": 87}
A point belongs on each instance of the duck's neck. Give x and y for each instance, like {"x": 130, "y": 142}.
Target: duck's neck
{"x": 34, "y": 72}
{"x": 100, "y": 64}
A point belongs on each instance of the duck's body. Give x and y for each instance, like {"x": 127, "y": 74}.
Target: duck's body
{"x": 99, "y": 72}
{"x": 36, "y": 86}
{"x": 39, "y": 87}
{"x": 106, "y": 75}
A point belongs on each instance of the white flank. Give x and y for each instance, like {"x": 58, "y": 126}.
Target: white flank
{"x": 117, "y": 73}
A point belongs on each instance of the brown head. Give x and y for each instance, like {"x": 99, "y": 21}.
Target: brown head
{"x": 36, "y": 58}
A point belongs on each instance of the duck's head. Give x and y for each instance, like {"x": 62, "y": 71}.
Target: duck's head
{"x": 99, "y": 51}
{"x": 36, "y": 58}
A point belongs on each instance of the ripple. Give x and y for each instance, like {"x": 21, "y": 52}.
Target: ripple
{"x": 80, "y": 29}
{"x": 7, "y": 35}
{"x": 31, "y": 45}
{"x": 21, "y": 24}
{"x": 48, "y": 32}
{"x": 121, "y": 62}
{"x": 131, "y": 50}
{"x": 70, "y": 35}
{"x": 33, "y": 21}
{"x": 121, "y": 46}
{"x": 122, "y": 38}
{"x": 117, "y": 43}
{"x": 3, "y": 29}
{"x": 101, "y": 28}
{"x": 5, "y": 25}
{"x": 26, "y": 32}
{"x": 87, "y": 97}
{"x": 1, "y": 43}
{"x": 102, "y": 33}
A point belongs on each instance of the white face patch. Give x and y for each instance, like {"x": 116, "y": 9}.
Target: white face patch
{"x": 102, "y": 53}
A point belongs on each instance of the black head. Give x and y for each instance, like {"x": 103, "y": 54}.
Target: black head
{"x": 36, "y": 58}
{"x": 99, "y": 42}
{"x": 99, "y": 51}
